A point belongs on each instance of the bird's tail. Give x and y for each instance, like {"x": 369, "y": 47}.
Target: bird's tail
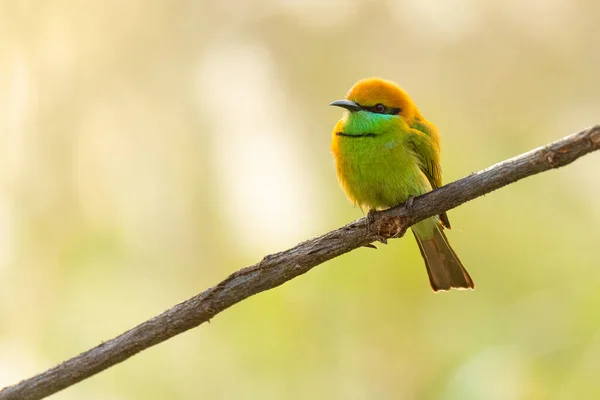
{"x": 443, "y": 266}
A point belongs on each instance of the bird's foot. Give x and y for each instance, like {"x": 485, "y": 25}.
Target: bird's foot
{"x": 369, "y": 221}
{"x": 371, "y": 217}
{"x": 409, "y": 204}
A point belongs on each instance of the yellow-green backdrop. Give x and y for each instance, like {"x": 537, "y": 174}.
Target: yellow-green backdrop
{"x": 150, "y": 148}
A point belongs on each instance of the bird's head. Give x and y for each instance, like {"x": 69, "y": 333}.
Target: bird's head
{"x": 375, "y": 105}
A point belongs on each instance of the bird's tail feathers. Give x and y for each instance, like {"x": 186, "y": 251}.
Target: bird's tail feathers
{"x": 443, "y": 265}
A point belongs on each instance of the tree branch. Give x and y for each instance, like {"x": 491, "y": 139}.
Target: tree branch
{"x": 276, "y": 269}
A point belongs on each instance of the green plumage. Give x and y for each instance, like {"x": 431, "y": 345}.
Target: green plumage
{"x": 383, "y": 170}
{"x": 386, "y": 152}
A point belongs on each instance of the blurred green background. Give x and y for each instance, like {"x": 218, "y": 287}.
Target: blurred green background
{"x": 149, "y": 149}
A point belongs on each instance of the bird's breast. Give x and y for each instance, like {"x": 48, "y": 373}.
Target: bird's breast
{"x": 377, "y": 171}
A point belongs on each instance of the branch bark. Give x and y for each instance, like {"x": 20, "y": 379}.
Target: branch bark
{"x": 276, "y": 269}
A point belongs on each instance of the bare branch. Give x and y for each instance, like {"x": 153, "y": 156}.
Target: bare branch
{"x": 276, "y": 269}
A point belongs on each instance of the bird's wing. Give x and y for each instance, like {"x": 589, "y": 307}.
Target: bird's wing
{"x": 425, "y": 145}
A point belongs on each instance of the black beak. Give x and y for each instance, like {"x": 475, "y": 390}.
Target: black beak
{"x": 347, "y": 104}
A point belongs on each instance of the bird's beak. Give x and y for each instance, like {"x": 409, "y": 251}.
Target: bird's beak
{"x": 347, "y": 104}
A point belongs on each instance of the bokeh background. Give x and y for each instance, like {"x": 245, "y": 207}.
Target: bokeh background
{"x": 149, "y": 149}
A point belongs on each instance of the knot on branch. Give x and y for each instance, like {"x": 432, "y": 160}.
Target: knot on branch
{"x": 387, "y": 226}
{"x": 393, "y": 226}
{"x": 550, "y": 156}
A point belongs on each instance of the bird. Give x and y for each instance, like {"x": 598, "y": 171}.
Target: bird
{"x": 385, "y": 153}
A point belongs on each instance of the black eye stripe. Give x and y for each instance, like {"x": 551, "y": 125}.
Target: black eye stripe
{"x": 386, "y": 110}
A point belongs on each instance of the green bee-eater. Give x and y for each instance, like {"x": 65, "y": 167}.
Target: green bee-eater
{"x": 385, "y": 152}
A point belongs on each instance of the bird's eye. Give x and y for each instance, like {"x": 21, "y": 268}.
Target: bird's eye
{"x": 379, "y": 108}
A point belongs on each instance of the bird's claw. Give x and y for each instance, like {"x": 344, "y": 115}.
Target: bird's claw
{"x": 370, "y": 218}
{"x": 409, "y": 203}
